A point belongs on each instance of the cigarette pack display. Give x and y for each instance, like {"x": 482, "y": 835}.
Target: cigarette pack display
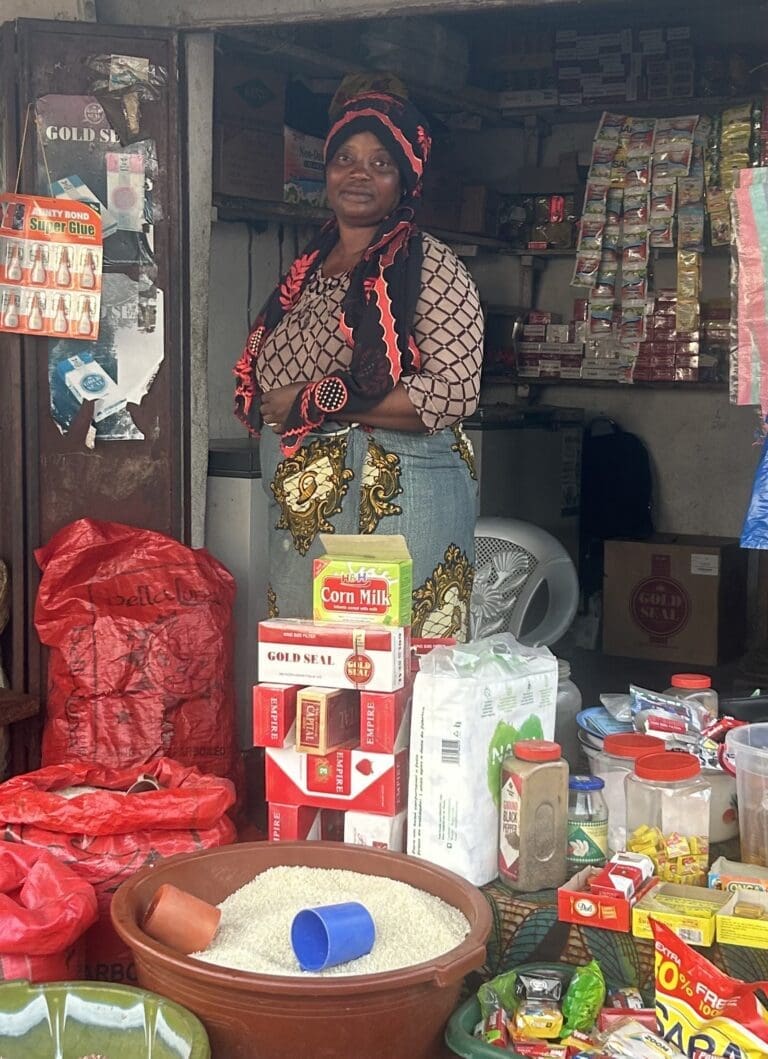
{"x": 379, "y": 832}
{"x": 327, "y": 719}
{"x": 363, "y": 578}
{"x": 291, "y": 823}
{"x": 274, "y": 714}
{"x": 346, "y": 779}
{"x": 385, "y": 720}
{"x": 292, "y": 651}
{"x": 88, "y": 381}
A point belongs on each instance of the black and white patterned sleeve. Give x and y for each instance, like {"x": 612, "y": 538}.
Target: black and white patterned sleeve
{"x": 448, "y": 329}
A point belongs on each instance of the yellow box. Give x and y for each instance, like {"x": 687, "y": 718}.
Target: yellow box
{"x": 363, "y": 578}
{"x": 732, "y": 929}
{"x": 687, "y": 910}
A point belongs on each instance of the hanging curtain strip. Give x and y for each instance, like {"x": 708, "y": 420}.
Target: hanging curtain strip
{"x": 30, "y": 110}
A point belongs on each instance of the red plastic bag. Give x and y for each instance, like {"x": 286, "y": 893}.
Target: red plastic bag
{"x": 45, "y": 908}
{"x": 105, "y": 836}
{"x": 140, "y": 631}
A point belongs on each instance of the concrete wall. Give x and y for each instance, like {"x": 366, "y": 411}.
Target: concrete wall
{"x": 73, "y": 10}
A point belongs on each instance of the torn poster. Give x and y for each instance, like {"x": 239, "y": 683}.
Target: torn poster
{"x": 117, "y": 370}
{"x": 50, "y": 267}
{"x": 81, "y": 153}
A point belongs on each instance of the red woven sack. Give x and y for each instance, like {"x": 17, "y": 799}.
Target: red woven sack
{"x": 105, "y": 836}
{"x": 140, "y": 631}
{"x": 45, "y": 908}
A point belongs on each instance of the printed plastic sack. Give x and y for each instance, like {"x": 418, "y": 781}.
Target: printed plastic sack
{"x": 471, "y": 703}
{"x": 45, "y": 908}
{"x": 106, "y": 835}
{"x": 141, "y": 663}
{"x": 754, "y": 533}
{"x": 700, "y": 1009}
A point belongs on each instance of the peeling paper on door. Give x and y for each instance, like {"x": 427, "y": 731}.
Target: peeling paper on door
{"x": 114, "y": 372}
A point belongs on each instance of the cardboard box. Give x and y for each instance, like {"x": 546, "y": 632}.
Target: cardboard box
{"x": 248, "y": 92}
{"x": 303, "y": 823}
{"x": 333, "y": 656}
{"x": 732, "y": 875}
{"x": 733, "y": 929}
{"x": 675, "y": 598}
{"x": 248, "y": 162}
{"x": 689, "y": 911}
{"x": 378, "y": 832}
{"x": 274, "y": 714}
{"x": 577, "y": 904}
{"x": 363, "y": 578}
{"x": 346, "y": 779}
{"x": 385, "y": 720}
{"x": 304, "y": 169}
{"x": 327, "y": 719}
{"x": 479, "y": 209}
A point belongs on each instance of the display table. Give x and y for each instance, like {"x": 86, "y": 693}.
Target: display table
{"x": 526, "y": 930}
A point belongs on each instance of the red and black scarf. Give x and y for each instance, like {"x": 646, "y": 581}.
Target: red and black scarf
{"x": 379, "y": 306}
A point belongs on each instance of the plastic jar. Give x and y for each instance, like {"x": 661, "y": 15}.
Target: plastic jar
{"x": 534, "y": 816}
{"x": 668, "y": 816}
{"x": 568, "y": 705}
{"x": 587, "y": 823}
{"x": 695, "y": 686}
{"x": 613, "y": 764}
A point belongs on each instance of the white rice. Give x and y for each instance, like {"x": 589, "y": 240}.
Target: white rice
{"x": 255, "y": 929}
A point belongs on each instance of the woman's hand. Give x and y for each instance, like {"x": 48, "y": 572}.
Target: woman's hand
{"x": 276, "y": 405}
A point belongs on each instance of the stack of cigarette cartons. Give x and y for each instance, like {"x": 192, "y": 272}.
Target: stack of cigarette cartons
{"x": 333, "y": 705}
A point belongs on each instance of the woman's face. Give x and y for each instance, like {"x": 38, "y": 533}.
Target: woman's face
{"x": 363, "y": 181}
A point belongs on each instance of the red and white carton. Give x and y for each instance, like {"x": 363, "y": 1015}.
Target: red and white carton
{"x": 274, "y": 714}
{"x": 577, "y": 902}
{"x": 299, "y": 823}
{"x": 292, "y": 823}
{"x": 385, "y": 720}
{"x": 333, "y": 656}
{"x": 346, "y": 779}
{"x": 378, "y": 832}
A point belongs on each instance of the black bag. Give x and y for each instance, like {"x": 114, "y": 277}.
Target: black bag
{"x": 616, "y": 494}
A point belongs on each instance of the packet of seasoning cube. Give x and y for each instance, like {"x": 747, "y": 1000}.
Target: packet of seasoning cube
{"x": 631, "y": 1039}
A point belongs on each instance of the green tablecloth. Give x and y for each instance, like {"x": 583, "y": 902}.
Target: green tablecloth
{"x": 526, "y": 930}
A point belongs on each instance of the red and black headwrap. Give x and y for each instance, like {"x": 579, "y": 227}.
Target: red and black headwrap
{"x": 379, "y": 306}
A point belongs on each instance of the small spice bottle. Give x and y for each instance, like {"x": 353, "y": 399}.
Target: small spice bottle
{"x": 587, "y": 823}
{"x": 534, "y": 816}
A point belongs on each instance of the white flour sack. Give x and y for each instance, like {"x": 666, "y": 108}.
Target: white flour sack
{"x": 471, "y": 704}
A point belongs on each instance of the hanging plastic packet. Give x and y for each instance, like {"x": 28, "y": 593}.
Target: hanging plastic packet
{"x": 585, "y": 269}
{"x": 690, "y": 227}
{"x": 595, "y": 198}
{"x": 634, "y": 288}
{"x": 591, "y": 234}
{"x": 633, "y": 324}
{"x": 601, "y": 316}
{"x": 687, "y": 312}
{"x": 583, "y": 999}
{"x": 636, "y": 207}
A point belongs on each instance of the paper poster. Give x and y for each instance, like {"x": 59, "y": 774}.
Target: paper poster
{"x": 117, "y": 370}
{"x": 50, "y": 267}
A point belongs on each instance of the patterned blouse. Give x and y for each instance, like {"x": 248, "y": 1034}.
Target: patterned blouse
{"x": 448, "y": 327}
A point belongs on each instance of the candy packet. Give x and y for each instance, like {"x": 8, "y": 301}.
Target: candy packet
{"x": 583, "y": 999}
{"x": 630, "y": 1038}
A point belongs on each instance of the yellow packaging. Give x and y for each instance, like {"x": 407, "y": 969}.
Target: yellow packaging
{"x": 744, "y": 920}
{"x": 363, "y": 578}
{"x": 687, "y": 910}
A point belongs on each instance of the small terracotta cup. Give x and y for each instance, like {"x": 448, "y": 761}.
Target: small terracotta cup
{"x": 180, "y": 920}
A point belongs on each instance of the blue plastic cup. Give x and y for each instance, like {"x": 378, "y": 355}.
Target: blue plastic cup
{"x": 332, "y": 934}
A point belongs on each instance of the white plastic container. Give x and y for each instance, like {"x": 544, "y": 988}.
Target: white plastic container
{"x": 568, "y": 705}
{"x": 748, "y": 746}
{"x": 695, "y": 686}
{"x": 668, "y": 816}
{"x": 613, "y": 764}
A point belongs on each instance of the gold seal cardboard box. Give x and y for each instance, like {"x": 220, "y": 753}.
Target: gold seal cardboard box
{"x": 675, "y": 598}
{"x": 363, "y": 578}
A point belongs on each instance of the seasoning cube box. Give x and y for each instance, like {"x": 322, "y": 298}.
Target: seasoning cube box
{"x": 345, "y": 779}
{"x": 385, "y": 720}
{"x": 743, "y": 920}
{"x": 378, "y": 832}
{"x": 327, "y": 719}
{"x": 274, "y": 714}
{"x": 689, "y": 911}
{"x": 293, "y": 651}
{"x": 577, "y": 903}
{"x": 363, "y": 578}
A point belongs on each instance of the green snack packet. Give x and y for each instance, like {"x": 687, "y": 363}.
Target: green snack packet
{"x": 584, "y": 998}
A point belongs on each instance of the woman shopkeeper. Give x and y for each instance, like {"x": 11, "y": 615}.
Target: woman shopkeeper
{"x": 362, "y": 365}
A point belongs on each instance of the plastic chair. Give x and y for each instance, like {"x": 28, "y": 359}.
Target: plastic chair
{"x": 514, "y": 562}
